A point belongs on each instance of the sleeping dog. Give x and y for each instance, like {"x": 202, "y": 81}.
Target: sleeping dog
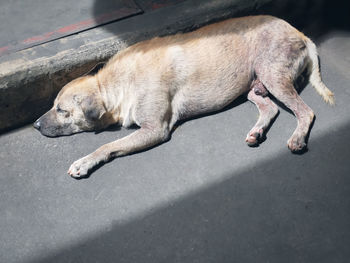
{"x": 158, "y": 82}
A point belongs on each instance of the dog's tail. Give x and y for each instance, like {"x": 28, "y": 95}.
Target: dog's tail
{"x": 315, "y": 75}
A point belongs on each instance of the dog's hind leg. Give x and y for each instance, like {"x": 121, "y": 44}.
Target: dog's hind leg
{"x": 267, "y": 111}
{"x": 281, "y": 86}
{"x": 278, "y": 68}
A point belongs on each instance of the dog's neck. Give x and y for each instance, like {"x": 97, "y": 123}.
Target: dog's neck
{"x": 102, "y": 92}
{"x": 108, "y": 95}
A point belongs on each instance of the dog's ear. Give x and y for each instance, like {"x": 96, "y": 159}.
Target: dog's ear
{"x": 95, "y": 68}
{"x": 93, "y": 109}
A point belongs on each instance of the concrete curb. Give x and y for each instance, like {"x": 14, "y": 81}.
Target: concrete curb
{"x": 30, "y": 79}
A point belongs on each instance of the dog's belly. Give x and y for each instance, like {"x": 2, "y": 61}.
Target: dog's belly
{"x": 209, "y": 75}
{"x": 208, "y": 97}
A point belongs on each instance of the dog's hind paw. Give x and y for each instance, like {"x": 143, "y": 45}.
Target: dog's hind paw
{"x": 297, "y": 144}
{"x": 81, "y": 167}
{"x": 254, "y": 137}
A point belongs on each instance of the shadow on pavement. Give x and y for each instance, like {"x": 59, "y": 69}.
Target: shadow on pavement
{"x": 289, "y": 208}
{"x": 314, "y": 17}
{"x": 317, "y": 15}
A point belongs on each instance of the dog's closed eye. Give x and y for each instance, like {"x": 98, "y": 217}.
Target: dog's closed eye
{"x": 61, "y": 111}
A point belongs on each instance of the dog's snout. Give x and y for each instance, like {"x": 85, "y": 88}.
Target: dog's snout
{"x": 37, "y": 124}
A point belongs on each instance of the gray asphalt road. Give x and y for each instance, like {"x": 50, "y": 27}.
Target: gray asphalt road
{"x": 204, "y": 196}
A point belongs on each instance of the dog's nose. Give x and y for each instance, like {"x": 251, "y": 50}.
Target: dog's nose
{"x": 37, "y": 124}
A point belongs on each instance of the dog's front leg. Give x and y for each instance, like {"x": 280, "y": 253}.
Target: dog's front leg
{"x": 141, "y": 139}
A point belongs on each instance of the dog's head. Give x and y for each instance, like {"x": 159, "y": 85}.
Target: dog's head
{"x": 78, "y": 107}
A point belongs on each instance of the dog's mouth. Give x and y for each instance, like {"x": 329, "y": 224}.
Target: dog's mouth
{"x": 56, "y": 132}
{"x": 51, "y": 130}
{"x": 55, "y": 135}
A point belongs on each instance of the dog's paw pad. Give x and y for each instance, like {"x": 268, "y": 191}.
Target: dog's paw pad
{"x": 254, "y": 137}
{"x": 296, "y": 144}
{"x": 80, "y": 168}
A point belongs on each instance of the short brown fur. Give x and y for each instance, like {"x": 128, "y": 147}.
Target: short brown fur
{"x": 158, "y": 82}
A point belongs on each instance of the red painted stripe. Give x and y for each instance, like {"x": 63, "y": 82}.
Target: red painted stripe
{"x": 164, "y": 3}
{"x": 75, "y": 27}
{"x": 4, "y": 49}
{"x": 37, "y": 38}
{"x": 157, "y": 5}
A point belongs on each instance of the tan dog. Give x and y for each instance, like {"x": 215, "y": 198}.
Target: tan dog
{"x": 157, "y": 82}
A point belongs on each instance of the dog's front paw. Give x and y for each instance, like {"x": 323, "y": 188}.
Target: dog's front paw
{"x": 81, "y": 167}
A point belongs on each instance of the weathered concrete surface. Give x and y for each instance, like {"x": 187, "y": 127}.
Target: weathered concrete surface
{"x": 203, "y": 197}
{"x": 30, "y": 79}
